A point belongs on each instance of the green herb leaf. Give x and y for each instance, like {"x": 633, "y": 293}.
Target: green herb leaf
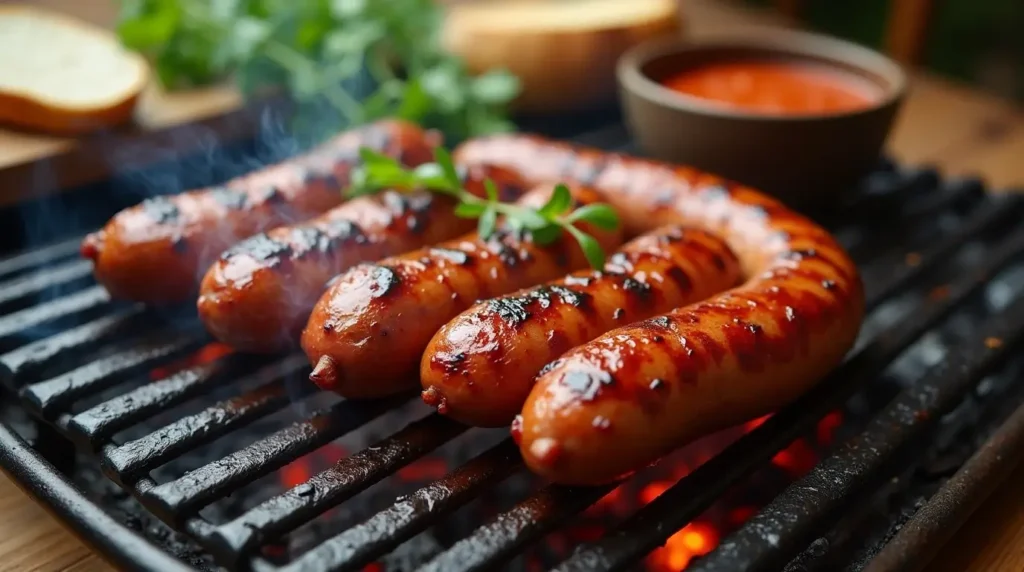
{"x": 487, "y": 222}
{"x": 445, "y": 161}
{"x": 492, "y": 190}
{"x": 599, "y": 215}
{"x": 415, "y": 103}
{"x": 546, "y": 234}
{"x": 431, "y": 176}
{"x": 531, "y": 219}
{"x": 495, "y": 87}
{"x": 591, "y": 248}
{"x": 371, "y": 157}
{"x": 560, "y": 201}
{"x": 470, "y": 210}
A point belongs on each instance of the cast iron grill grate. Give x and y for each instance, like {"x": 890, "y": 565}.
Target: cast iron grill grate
{"x": 940, "y": 263}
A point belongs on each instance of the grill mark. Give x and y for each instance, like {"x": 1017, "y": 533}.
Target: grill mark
{"x": 590, "y": 171}
{"x": 326, "y": 176}
{"x": 231, "y": 199}
{"x": 401, "y": 204}
{"x": 385, "y": 281}
{"x": 639, "y": 290}
{"x": 161, "y": 210}
{"x": 450, "y": 362}
{"x": 271, "y": 196}
{"x": 346, "y": 231}
{"x": 261, "y": 248}
{"x": 307, "y": 239}
{"x": 680, "y": 278}
{"x": 516, "y": 310}
{"x": 509, "y": 254}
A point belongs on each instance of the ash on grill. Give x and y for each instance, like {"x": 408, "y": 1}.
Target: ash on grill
{"x": 238, "y": 462}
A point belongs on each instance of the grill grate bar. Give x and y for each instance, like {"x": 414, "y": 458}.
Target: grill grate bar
{"x": 87, "y": 303}
{"x": 885, "y": 278}
{"x": 25, "y": 290}
{"x": 935, "y": 522}
{"x": 652, "y": 524}
{"x": 54, "y": 395}
{"x": 102, "y": 421}
{"x": 39, "y": 257}
{"x": 331, "y": 487}
{"x": 33, "y": 359}
{"x": 492, "y": 544}
{"x": 794, "y": 517}
{"x": 955, "y": 194}
{"x": 126, "y": 462}
{"x": 882, "y": 226}
{"x": 361, "y": 544}
{"x": 177, "y": 499}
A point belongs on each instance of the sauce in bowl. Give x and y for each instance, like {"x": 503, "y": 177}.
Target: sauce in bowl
{"x": 777, "y": 87}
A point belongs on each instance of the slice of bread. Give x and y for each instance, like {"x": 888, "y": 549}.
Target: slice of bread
{"x": 564, "y": 52}
{"x": 64, "y": 76}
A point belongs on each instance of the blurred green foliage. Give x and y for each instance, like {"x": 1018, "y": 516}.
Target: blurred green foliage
{"x": 966, "y": 38}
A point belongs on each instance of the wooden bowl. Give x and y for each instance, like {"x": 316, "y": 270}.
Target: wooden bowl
{"x": 805, "y": 160}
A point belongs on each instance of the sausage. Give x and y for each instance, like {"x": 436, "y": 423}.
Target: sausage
{"x": 623, "y": 400}
{"x": 479, "y": 368}
{"x": 156, "y": 251}
{"x": 367, "y": 333}
{"x": 260, "y": 292}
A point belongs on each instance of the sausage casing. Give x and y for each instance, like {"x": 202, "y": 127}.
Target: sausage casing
{"x": 257, "y": 296}
{"x": 157, "y": 251}
{"x": 620, "y": 402}
{"x": 367, "y": 333}
{"x": 479, "y": 368}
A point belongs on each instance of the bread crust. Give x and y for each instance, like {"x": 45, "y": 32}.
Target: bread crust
{"x": 36, "y": 112}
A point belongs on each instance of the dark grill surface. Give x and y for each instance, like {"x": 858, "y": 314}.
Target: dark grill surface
{"x": 940, "y": 260}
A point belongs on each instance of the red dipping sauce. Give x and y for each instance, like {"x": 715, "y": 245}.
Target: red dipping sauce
{"x": 777, "y": 87}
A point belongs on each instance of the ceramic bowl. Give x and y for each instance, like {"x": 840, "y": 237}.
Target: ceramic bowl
{"x": 805, "y": 160}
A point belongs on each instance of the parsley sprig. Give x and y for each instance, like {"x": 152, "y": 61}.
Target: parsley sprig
{"x": 352, "y": 61}
{"x": 545, "y": 224}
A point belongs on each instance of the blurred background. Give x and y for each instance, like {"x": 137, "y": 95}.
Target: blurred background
{"x": 979, "y": 42}
{"x": 976, "y": 41}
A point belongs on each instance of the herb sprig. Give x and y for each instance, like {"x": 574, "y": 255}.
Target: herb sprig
{"x": 545, "y": 224}
{"x": 364, "y": 59}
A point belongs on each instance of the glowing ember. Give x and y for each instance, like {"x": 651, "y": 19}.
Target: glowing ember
{"x": 426, "y": 469}
{"x": 696, "y": 539}
{"x": 755, "y": 423}
{"x": 206, "y": 354}
{"x": 653, "y": 491}
{"x": 302, "y": 469}
{"x": 827, "y": 427}
{"x": 797, "y": 459}
{"x": 739, "y": 515}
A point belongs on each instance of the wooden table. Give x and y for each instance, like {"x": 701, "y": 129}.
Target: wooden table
{"x": 952, "y": 127}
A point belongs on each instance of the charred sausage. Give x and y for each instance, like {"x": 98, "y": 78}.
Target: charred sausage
{"x": 480, "y": 367}
{"x": 622, "y": 401}
{"x": 367, "y": 333}
{"x": 157, "y": 251}
{"x": 260, "y": 292}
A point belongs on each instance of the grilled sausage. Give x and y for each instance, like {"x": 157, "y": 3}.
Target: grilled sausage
{"x": 479, "y": 367}
{"x": 156, "y": 251}
{"x": 622, "y": 401}
{"x": 258, "y": 295}
{"x": 366, "y": 335}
